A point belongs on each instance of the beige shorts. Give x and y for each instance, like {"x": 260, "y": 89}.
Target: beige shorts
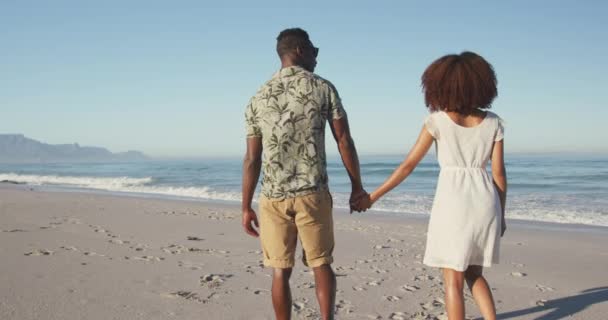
{"x": 282, "y": 220}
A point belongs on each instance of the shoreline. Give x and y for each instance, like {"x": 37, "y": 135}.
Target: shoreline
{"x": 382, "y": 214}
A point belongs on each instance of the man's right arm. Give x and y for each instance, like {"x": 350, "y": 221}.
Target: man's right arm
{"x": 252, "y": 165}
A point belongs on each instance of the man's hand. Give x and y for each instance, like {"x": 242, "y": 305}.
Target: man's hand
{"x": 363, "y": 203}
{"x": 249, "y": 216}
{"x": 355, "y": 197}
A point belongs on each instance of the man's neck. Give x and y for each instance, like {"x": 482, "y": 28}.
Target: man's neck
{"x": 289, "y": 63}
{"x": 283, "y": 66}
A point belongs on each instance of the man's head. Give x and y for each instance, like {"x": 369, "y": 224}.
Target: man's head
{"x": 294, "y": 47}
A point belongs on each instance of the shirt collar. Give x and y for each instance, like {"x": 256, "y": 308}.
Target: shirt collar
{"x": 289, "y": 72}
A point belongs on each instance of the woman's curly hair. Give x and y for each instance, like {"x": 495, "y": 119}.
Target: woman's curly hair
{"x": 459, "y": 83}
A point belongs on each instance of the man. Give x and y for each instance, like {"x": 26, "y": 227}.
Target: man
{"x": 286, "y": 119}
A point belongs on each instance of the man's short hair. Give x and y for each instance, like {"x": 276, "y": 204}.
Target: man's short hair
{"x": 290, "y": 39}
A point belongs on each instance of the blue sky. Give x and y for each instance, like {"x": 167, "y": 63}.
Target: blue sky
{"x": 173, "y": 78}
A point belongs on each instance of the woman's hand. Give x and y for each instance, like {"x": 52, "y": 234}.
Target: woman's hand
{"x": 362, "y": 203}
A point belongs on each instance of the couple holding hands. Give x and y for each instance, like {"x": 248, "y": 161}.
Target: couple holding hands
{"x": 285, "y": 123}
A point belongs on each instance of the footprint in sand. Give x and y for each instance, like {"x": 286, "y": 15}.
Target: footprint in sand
{"x": 178, "y": 249}
{"x": 380, "y": 247}
{"x": 91, "y": 253}
{"x": 518, "y": 274}
{"x": 423, "y": 277}
{"x": 344, "y": 269}
{"x": 409, "y": 288}
{"x": 306, "y": 285}
{"x": 391, "y": 298}
{"x": 14, "y": 230}
{"x": 364, "y": 261}
{"x": 303, "y": 311}
{"x": 376, "y": 269}
{"x": 139, "y": 247}
{"x": 359, "y": 288}
{"x": 214, "y": 280}
{"x": 118, "y": 241}
{"x": 299, "y": 305}
{"x": 194, "y": 238}
{"x": 69, "y": 248}
{"x": 260, "y": 291}
{"x": 399, "y": 316}
{"x": 434, "y": 308}
{"x": 210, "y": 251}
{"x": 253, "y": 268}
{"x": 174, "y": 249}
{"x": 542, "y": 288}
{"x": 220, "y": 216}
{"x": 374, "y": 283}
{"x": 444, "y": 316}
{"x": 39, "y": 252}
{"x": 145, "y": 258}
{"x": 190, "y": 265}
{"x": 344, "y": 307}
{"x": 98, "y": 229}
{"x": 187, "y": 295}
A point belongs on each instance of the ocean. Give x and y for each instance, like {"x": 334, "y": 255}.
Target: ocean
{"x": 551, "y": 188}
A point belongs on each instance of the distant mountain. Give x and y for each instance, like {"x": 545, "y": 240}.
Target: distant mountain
{"x": 16, "y": 148}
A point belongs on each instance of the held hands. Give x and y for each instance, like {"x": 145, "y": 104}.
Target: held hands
{"x": 249, "y": 216}
{"x": 359, "y": 201}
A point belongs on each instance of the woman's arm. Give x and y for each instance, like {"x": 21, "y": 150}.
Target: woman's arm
{"x": 499, "y": 175}
{"x": 418, "y": 151}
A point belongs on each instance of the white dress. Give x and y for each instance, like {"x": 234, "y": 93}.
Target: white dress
{"x": 464, "y": 228}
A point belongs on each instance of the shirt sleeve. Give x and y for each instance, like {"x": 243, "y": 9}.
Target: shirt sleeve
{"x": 336, "y": 110}
{"x": 252, "y": 119}
{"x": 500, "y": 130}
{"x": 431, "y": 126}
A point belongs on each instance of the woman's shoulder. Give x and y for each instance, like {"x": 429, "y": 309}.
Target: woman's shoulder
{"x": 497, "y": 125}
{"x": 492, "y": 115}
{"x": 432, "y": 122}
{"x": 435, "y": 115}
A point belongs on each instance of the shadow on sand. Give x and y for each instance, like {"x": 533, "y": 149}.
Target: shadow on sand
{"x": 562, "y": 308}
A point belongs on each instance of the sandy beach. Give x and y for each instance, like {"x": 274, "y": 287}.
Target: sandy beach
{"x": 78, "y": 255}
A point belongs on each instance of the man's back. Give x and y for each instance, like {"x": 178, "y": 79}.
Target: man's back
{"x": 289, "y": 113}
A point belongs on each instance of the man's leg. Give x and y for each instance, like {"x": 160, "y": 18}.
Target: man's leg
{"x": 278, "y": 235}
{"x": 281, "y": 294}
{"x": 315, "y": 227}
{"x": 325, "y": 283}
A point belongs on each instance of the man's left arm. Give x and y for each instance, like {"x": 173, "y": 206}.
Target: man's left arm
{"x": 346, "y": 146}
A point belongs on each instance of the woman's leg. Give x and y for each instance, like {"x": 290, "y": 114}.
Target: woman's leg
{"x": 453, "y": 282}
{"x": 481, "y": 292}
